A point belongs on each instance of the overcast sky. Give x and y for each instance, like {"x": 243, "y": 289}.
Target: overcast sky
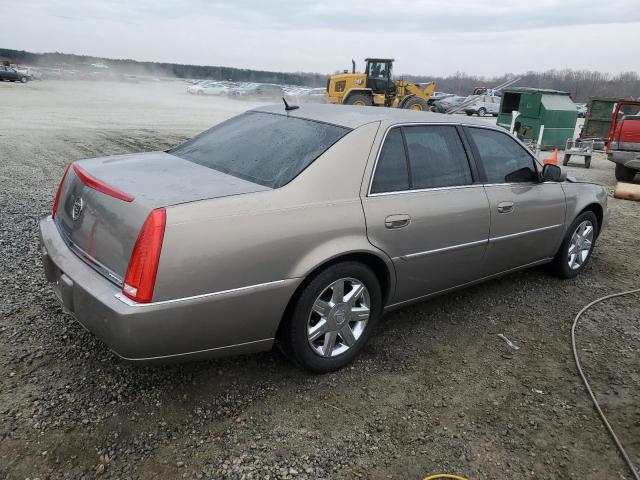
{"x": 484, "y": 37}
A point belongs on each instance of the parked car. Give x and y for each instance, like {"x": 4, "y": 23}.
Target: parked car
{"x": 302, "y": 227}
{"x": 623, "y": 148}
{"x": 262, "y": 91}
{"x": 485, "y": 104}
{"x": 208, "y": 88}
{"x": 436, "y": 96}
{"x": 31, "y": 72}
{"x": 8, "y": 74}
{"x": 447, "y": 103}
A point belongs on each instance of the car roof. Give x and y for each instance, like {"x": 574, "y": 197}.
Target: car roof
{"x": 353, "y": 117}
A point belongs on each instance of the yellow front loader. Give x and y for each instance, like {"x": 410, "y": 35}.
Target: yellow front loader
{"x": 376, "y": 87}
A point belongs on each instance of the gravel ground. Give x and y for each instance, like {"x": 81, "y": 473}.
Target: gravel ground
{"x": 435, "y": 391}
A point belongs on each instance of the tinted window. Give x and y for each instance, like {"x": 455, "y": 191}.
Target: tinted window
{"x": 436, "y": 157}
{"x": 391, "y": 172}
{"x": 504, "y": 160}
{"x": 263, "y": 148}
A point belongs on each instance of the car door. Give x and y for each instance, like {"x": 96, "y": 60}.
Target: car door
{"x": 426, "y": 210}
{"x": 527, "y": 216}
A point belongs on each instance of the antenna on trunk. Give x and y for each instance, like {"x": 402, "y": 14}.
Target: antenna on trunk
{"x": 288, "y": 107}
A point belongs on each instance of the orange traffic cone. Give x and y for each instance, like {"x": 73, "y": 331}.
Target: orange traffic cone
{"x": 554, "y": 158}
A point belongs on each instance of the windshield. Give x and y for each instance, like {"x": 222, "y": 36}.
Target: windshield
{"x": 263, "y": 148}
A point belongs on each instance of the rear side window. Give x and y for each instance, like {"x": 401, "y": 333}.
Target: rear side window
{"x": 504, "y": 160}
{"x": 263, "y": 148}
{"x": 391, "y": 174}
{"x": 437, "y": 157}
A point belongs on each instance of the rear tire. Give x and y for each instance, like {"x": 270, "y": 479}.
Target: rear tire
{"x": 624, "y": 174}
{"x": 315, "y": 307}
{"x": 581, "y": 238}
{"x": 415, "y": 103}
{"x": 359, "y": 100}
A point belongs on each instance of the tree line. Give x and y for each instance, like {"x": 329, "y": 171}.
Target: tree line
{"x": 161, "y": 69}
{"x": 581, "y": 84}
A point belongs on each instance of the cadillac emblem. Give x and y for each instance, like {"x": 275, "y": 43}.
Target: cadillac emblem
{"x": 76, "y": 211}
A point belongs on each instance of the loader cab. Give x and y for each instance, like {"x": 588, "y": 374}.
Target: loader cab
{"x": 379, "y": 76}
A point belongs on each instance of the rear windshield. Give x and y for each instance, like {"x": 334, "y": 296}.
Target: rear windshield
{"x": 263, "y": 148}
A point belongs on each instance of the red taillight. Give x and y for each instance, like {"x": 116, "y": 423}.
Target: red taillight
{"x": 56, "y": 200}
{"x": 92, "y": 182}
{"x": 143, "y": 264}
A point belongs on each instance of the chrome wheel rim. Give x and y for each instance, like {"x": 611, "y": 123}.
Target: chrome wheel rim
{"x": 338, "y": 317}
{"x": 580, "y": 245}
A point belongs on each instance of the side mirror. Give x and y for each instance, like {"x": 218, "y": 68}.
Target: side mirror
{"x": 552, "y": 173}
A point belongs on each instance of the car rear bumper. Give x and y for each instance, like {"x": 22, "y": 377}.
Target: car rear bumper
{"x": 236, "y": 321}
{"x": 627, "y": 158}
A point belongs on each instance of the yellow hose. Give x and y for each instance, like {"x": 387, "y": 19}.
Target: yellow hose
{"x": 441, "y": 476}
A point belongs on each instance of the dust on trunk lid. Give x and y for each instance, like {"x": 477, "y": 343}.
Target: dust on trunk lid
{"x": 104, "y": 202}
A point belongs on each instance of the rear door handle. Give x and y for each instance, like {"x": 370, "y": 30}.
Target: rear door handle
{"x": 397, "y": 221}
{"x": 505, "y": 207}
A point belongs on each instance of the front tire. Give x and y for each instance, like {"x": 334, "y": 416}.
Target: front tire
{"x": 415, "y": 103}
{"x": 482, "y": 112}
{"x": 577, "y": 246}
{"x": 332, "y": 318}
{"x": 624, "y": 174}
{"x": 23, "y": 80}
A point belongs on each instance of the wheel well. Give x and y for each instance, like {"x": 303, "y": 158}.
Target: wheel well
{"x": 374, "y": 262}
{"x": 598, "y": 212}
{"x": 352, "y": 92}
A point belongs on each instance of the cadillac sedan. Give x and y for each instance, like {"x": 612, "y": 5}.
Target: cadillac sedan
{"x": 300, "y": 228}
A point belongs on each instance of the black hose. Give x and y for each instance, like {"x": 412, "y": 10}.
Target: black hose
{"x": 634, "y": 472}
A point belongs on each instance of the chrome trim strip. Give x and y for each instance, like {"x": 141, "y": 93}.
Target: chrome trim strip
{"x": 443, "y": 250}
{"x": 174, "y": 355}
{"x": 418, "y": 190}
{"x": 476, "y": 243}
{"x": 132, "y": 303}
{"x": 520, "y": 234}
{"x": 102, "y": 269}
{"x": 513, "y": 184}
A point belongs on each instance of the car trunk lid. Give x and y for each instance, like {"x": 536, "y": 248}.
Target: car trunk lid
{"x": 105, "y": 201}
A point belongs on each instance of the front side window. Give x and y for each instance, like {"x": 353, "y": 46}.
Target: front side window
{"x": 392, "y": 174}
{"x": 263, "y": 148}
{"x": 436, "y": 157}
{"x": 504, "y": 159}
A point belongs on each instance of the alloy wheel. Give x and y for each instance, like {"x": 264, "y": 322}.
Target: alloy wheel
{"x": 580, "y": 245}
{"x": 338, "y": 317}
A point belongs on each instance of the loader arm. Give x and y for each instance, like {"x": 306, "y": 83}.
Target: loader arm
{"x": 404, "y": 88}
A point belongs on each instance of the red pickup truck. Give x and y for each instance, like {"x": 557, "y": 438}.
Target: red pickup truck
{"x": 624, "y": 145}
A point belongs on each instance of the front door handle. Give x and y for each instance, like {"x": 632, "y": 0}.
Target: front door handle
{"x": 505, "y": 207}
{"x": 397, "y": 221}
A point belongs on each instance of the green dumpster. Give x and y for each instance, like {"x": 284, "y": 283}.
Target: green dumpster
{"x": 537, "y": 106}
